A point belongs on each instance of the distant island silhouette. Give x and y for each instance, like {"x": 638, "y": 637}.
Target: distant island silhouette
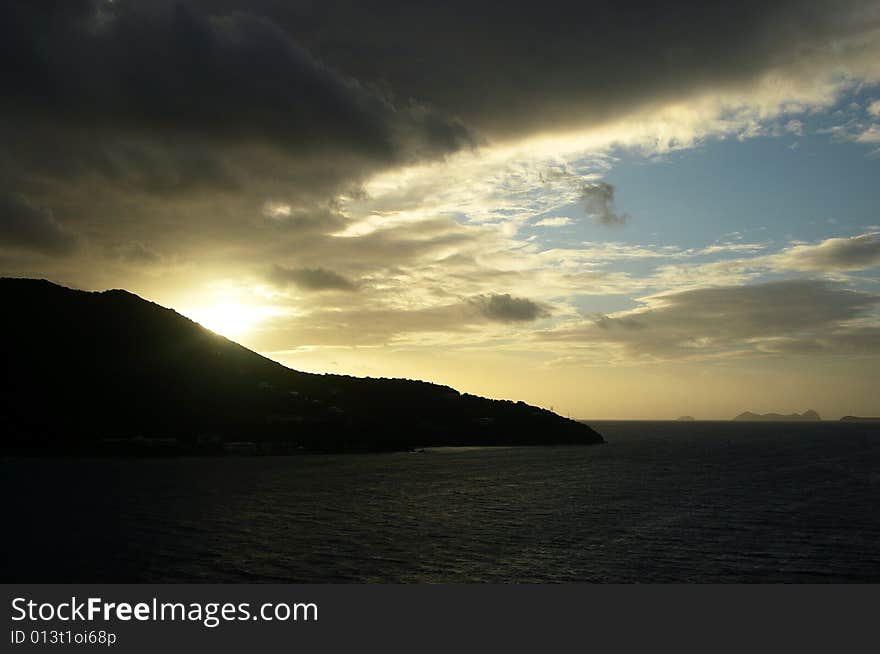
{"x": 807, "y": 416}
{"x": 109, "y": 372}
{"x": 685, "y": 418}
{"x": 860, "y": 418}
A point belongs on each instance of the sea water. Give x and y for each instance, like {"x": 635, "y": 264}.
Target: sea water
{"x": 660, "y": 502}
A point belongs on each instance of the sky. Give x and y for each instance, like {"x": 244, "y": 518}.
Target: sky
{"x": 615, "y": 210}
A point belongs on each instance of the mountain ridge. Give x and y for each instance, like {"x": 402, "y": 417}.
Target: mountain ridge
{"x": 91, "y": 371}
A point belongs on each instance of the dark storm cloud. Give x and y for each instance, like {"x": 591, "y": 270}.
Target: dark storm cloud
{"x": 514, "y": 67}
{"x": 311, "y": 279}
{"x": 598, "y": 201}
{"x": 232, "y": 77}
{"x": 27, "y": 226}
{"x": 174, "y": 101}
{"x": 770, "y": 316}
{"x": 387, "y": 81}
{"x": 506, "y": 308}
{"x": 173, "y": 122}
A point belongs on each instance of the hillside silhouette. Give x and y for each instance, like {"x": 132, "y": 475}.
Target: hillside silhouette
{"x": 104, "y": 372}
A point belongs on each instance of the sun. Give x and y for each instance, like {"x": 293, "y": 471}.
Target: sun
{"x": 229, "y": 319}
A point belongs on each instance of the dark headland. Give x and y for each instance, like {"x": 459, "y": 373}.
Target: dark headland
{"x": 807, "y": 416}
{"x": 109, "y": 372}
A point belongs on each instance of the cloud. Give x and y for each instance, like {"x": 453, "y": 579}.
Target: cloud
{"x": 365, "y": 320}
{"x": 795, "y": 127}
{"x": 362, "y": 323}
{"x": 381, "y": 156}
{"x": 561, "y": 221}
{"x": 620, "y": 58}
{"x": 154, "y": 109}
{"x": 311, "y": 279}
{"x": 831, "y": 256}
{"x": 136, "y": 253}
{"x": 717, "y": 321}
{"x": 182, "y": 68}
{"x": 850, "y": 340}
{"x": 718, "y": 248}
{"x": 853, "y": 253}
{"x": 857, "y": 127}
{"x": 598, "y": 201}
{"x": 174, "y": 95}
{"x": 869, "y": 135}
{"x": 505, "y": 308}
{"x": 24, "y": 225}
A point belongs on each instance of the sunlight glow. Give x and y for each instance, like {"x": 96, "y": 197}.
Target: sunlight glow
{"x": 229, "y": 319}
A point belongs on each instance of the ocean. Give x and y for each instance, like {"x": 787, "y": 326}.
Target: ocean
{"x": 660, "y": 502}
